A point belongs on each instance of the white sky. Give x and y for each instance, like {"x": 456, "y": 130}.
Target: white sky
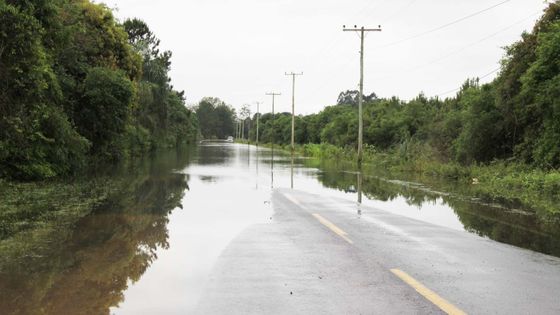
{"x": 239, "y": 49}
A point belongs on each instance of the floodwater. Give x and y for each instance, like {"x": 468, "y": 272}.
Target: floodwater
{"x": 143, "y": 239}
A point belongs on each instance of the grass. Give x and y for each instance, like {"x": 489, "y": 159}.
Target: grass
{"x": 535, "y": 188}
{"x": 27, "y": 206}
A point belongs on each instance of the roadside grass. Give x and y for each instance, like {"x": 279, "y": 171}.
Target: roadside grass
{"x": 534, "y": 188}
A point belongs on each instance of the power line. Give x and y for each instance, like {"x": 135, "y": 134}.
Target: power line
{"x": 459, "y": 50}
{"x": 444, "y": 25}
{"x": 481, "y": 77}
{"x": 349, "y": 61}
{"x": 356, "y": 14}
{"x": 333, "y": 49}
{"x": 329, "y": 79}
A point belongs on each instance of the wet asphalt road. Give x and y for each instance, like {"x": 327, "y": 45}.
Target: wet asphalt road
{"x": 322, "y": 255}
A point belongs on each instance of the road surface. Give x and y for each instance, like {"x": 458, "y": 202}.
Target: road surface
{"x": 323, "y": 255}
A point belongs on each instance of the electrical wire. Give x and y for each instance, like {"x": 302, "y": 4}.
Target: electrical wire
{"x": 459, "y": 50}
{"x": 481, "y": 77}
{"x": 444, "y": 25}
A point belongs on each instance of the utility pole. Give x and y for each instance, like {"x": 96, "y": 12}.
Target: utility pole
{"x": 362, "y": 32}
{"x": 273, "y": 94}
{"x": 258, "y": 114}
{"x": 293, "y": 104}
{"x": 237, "y": 129}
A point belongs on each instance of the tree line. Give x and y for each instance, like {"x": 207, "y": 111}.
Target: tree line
{"x": 516, "y": 117}
{"x": 77, "y": 86}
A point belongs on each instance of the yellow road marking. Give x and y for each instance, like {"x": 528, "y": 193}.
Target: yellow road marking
{"x": 440, "y": 302}
{"x": 333, "y": 227}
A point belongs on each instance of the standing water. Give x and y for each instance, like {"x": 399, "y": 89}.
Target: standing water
{"x": 145, "y": 239}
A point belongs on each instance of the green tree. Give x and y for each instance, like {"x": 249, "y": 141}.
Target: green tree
{"x": 216, "y": 119}
{"x": 541, "y": 91}
{"x": 36, "y": 138}
{"x": 105, "y": 108}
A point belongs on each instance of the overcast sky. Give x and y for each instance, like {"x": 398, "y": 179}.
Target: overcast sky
{"x": 238, "y": 50}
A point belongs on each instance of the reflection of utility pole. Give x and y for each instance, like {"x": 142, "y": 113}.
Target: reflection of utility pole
{"x": 257, "y": 167}
{"x": 292, "y": 172}
{"x": 273, "y": 94}
{"x": 362, "y": 31}
{"x": 293, "y": 104}
{"x": 359, "y": 184}
{"x": 272, "y": 167}
{"x": 258, "y": 114}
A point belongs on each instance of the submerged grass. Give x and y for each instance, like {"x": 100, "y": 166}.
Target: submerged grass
{"x": 534, "y": 188}
{"x": 27, "y": 206}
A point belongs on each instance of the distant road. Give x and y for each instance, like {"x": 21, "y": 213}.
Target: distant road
{"x": 319, "y": 256}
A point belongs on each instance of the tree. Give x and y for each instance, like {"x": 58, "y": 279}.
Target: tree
{"x": 141, "y": 38}
{"x": 215, "y": 118}
{"x": 350, "y": 97}
{"x": 105, "y": 108}
{"x": 36, "y": 138}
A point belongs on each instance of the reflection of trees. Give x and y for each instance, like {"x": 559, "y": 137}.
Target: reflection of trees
{"x": 527, "y": 230}
{"x": 376, "y": 187}
{"x": 536, "y": 230}
{"x": 84, "y": 267}
{"x": 214, "y": 155}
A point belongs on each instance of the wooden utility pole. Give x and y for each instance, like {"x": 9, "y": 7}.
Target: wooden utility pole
{"x": 293, "y": 104}
{"x": 273, "y": 94}
{"x": 362, "y": 32}
{"x": 237, "y": 123}
{"x": 258, "y": 114}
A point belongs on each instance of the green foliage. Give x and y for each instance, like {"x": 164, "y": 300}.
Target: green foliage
{"x": 481, "y": 134}
{"x": 541, "y": 90}
{"x": 36, "y": 138}
{"x": 352, "y": 98}
{"x": 74, "y": 89}
{"x": 104, "y": 111}
{"x": 215, "y": 118}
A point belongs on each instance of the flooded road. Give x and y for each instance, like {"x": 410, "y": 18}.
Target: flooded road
{"x": 149, "y": 239}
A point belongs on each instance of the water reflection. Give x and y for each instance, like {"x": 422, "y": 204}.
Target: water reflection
{"x": 292, "y": 171}
{"x": 81, "y": 263}
{"x": 359, "y": 184}
{"x": 272, "y": 166}
{"x": 504, "y": 222}
{"x": 112, "y": 241}
{"x": 257, "y": 160}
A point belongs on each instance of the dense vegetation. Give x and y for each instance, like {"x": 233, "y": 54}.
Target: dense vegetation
{"x": 514, "y": 118}
{"x": 79, "y": 87}
{"x": 216, "y": 119}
